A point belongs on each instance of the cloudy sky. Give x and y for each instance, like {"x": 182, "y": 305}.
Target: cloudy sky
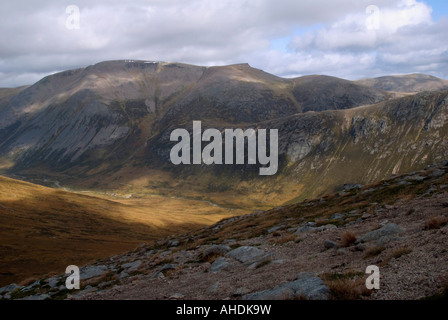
{"x": 351, "y": 39}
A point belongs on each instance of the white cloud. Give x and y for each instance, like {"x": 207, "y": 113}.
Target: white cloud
{"x": 205, "y": 32}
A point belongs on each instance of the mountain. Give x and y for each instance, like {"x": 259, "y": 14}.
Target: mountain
{"x": 100, "y": 137}
{"x": 411, "y": 83}
{"x": 108, "y": 127}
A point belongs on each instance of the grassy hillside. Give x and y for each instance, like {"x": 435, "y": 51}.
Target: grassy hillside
{"x": 44, "y": 230}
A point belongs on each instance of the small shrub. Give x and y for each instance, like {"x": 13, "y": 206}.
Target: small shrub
{"x": 283, "y": 239}
{"x": 346, "y": 287}
{"x": 435, "y": 223}
{"x": 276, "y": 234}
{"x": 211, "y": 257}
{"x": 373, "y": 252}
{"x": 396, "y": 254}
{"x": 347, "y": 239}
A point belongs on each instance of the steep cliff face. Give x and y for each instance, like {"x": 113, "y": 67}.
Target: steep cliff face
{"x": 92, "y": 123}
{"x": 365, "y": 144}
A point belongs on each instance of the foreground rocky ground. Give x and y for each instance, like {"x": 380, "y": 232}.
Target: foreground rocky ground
{"x": 316, "y": 249}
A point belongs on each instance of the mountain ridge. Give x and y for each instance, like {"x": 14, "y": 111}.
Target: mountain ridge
{"x": 91, "y": 126}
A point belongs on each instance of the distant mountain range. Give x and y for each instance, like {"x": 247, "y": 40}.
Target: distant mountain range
{"x": 108, "y": 125}
{"x": 411, "y": 83}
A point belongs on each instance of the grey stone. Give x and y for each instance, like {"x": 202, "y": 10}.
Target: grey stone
{"x": 168, "y": 266}
{"x": 219, "y": 264}
{"x": 437, "y": 173}
{"x": 303, "y": 229}
{"x": 365, "y": 216}
{"x": 89, "y": 272}
{"x": 386, "y": 239}
{"x": 240, "y": 292}
{"x": 177, "y": 296}
{"x": 337, "y": 216}
{"x": 85, "y": 291}
{"x": 124, "y": 258}
{"x": 265, "y": 258}
{"x": 325, "y": 227}
{"x": 132, "y": 266}
{"x": 173, "y": 243}
{"x": 388, "y": 230}
{"x": 214, "y": 287}
{"x": 9, "y": 288}
{"x": 165, "y": 253}
{"x": 149, "y": 253}
{"x": 328, "y": 244}
{"x": 306, "y": 286}
{"x": 278, "y": 261}
{"x": 31, "y": 286}
{"x": 415, "y": 178}
{"x": 159, "y": 275}
{"x": 431, "y": 190}
{"x": 53, "y": 282}
{"x": 123, "y": 274}
{"x": 348, "y": 187}
{"x": 273, "y": 229}
{"x": 246, "y": 254}
{"x": 36, "y": 297}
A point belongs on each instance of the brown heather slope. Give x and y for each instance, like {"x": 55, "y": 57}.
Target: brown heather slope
{"x": 413, "y": 261}
{"x": 327, "y": 237}
{"x": 44, "y": 230}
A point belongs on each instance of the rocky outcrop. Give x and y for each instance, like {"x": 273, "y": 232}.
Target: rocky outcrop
{"x": 307, "y": 286}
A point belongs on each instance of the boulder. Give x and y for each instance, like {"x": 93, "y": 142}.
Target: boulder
{"x": 36, "y": 297}
{"x": 328, "y": 244}
{"x": 219, "y": 264}
{"x": 337, "y": 216}
{"x": 246, "y": 254}
{"x": 89, "y": 272}
{"x": 132, "y": 266}
{"x": 9, "y": 288}
{"x": 389, "y": 229}
{"x": 307, "y": 286}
